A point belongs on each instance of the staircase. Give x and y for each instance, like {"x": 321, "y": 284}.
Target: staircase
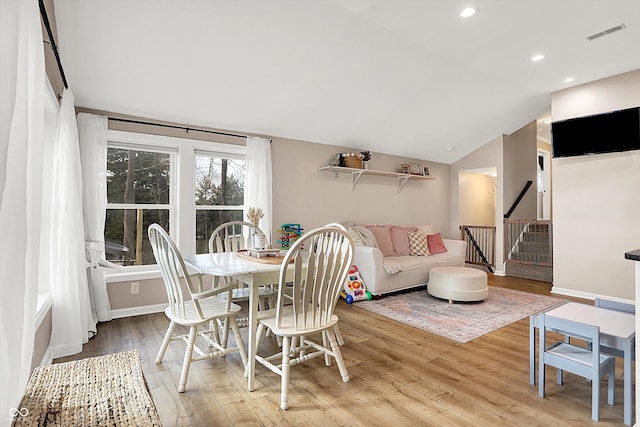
{"x": 529, "y": 249}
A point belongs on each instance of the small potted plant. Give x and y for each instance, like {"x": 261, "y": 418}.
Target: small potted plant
{"x": 254, "y": 215}
{"x": 365, "y": 156}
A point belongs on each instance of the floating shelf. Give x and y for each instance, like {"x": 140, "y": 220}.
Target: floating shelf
{"x": 357, "y": 173}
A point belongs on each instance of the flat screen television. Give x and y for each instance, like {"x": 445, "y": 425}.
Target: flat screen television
{"x": 601, "y": 133}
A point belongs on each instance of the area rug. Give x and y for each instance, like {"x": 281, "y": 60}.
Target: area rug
{"x": 461, "y": 321}
{"x": 99, "y": 391}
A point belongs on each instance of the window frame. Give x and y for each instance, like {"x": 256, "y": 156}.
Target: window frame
{"x": 182, "y": 211}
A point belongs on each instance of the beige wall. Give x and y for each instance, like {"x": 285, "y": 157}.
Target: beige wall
{"x": 489, "y": 155}
{"x": 304, "y": 194}
{"x": 477, "y": 199}
{"x": 520, "y": 160}
{"x": 596, "y": 199}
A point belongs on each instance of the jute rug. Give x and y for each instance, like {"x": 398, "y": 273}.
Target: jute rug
{"x": 99, "y": 391}
{"x": 461, "y": 321}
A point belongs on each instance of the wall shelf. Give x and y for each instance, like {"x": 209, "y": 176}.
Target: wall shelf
{"x": 357, "y": 173}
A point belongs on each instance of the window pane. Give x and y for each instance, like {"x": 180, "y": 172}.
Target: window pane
{"x": 135, "y": 176}
{"x": 125, "y": 234}
{"x": 207, "y": 221}
{"x": 219, "y": 181}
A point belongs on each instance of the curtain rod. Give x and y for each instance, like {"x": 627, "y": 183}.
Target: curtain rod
{"x": 52, "y": 41}
{"x": 187, "y": 129}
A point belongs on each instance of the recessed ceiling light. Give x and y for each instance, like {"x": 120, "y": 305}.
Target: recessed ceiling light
{"x": 569, "y": 79}
{"x": 468, "y": 12}
{"x": 450, "y": 148}
{"x": 537, "y": 57}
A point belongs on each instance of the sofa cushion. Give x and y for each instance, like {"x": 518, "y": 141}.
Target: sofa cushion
{"x": 362, "y": 236}
{"x": 400, "y": 239}
{"x": 425, "y": 229}
{"x": 436, "y": 245}
{"x": 418, "y": 244}
{"x": 383, "y": 238}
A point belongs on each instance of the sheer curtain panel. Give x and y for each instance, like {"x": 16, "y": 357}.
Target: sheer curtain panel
{"x": 72, "y": 322}
{"x": 21, "y": 142}
{"x": 257, "y": 187}
{"x": 92, "y": 131}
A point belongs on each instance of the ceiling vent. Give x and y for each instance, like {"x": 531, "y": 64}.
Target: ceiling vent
{"x": 606, "y": 32}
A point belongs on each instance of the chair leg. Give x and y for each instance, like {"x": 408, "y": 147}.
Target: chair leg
{"x": 225, "y": 333}
{"x": 326, "y": 343}
{"x": 284, "y": 387}
{"x": 165, "y": 342}
{"x": 336, "y": 330}
{"x": 611, "y": 386}
{"x": 595, "y": 397}
{"x": 239, "y": 343}
{"x": 186, "y": 364}
{"x": 338, "y": 356}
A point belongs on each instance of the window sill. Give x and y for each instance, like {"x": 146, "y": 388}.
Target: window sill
{"x": 133, "y": 274}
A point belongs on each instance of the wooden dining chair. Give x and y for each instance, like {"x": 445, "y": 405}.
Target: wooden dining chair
{"x": 310, "y": 283}
{"x": 234, "y": 236}
{"x": 202, "y": 307}
{"x": 586, "y": 362}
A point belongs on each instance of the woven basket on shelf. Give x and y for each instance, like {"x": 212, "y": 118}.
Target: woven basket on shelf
{"x": 353, "y": 162}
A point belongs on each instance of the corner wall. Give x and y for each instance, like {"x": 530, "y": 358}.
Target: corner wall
{"x": 596, "y": 199}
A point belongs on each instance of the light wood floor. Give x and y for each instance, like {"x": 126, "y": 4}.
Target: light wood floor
{"x": 399, "y": 376}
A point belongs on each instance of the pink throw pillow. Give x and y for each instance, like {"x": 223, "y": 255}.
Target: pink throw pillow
{"x": 383, "y": 238}
{"x": 436, "y": 245}
{"x": 400, "y": 239}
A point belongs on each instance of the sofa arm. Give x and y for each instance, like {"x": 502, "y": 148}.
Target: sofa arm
{"x": 370, "y": 264}
{"x": 456, "y": 247}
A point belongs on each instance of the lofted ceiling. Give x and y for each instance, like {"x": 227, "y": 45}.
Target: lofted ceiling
{"x": 404, "y": 77}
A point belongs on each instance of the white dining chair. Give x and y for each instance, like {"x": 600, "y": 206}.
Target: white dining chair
{"x": 234, "y": 236}
{"x": 202, "y": 307}
{"x": 586, "y": 362}
{"x": 310, "y": 283}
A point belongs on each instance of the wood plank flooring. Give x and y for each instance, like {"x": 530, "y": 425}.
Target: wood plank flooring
{"x": 399, "y": 376}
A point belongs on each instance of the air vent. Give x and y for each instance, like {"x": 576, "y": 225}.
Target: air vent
{"x": 606, "y": 32}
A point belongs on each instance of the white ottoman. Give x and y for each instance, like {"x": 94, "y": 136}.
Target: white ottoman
{"x": 458, "y": 284}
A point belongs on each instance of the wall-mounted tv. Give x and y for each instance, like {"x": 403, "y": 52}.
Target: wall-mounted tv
{"x": 602, "y": 133}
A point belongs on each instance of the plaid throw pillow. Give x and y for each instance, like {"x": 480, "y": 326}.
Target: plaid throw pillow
{"x": 418, "y": 244}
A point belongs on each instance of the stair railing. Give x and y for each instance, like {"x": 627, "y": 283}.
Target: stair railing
{"x": 481, "y": 243}
{"x": 529, "y": 242}
{"x": 518, "y": 199}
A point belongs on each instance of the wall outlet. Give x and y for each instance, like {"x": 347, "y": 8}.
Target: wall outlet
{"x": 135, "y": 288}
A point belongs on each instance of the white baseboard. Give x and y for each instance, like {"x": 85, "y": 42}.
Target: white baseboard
{"x": 499, "y": 273}
{"x": 587, "y": 295}
{"x": 137, "y": 311}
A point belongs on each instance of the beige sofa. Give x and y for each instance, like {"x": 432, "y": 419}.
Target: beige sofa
{"x": 385, "y": 274}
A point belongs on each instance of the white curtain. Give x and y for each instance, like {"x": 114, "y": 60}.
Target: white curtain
{"x": 21, "y": 145}
{"x": 72, "y": 322}
{"x": 92, "y": 130}
{"x": 257, "y": 185}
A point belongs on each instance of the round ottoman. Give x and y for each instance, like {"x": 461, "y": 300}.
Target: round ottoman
{"x": 458, "y": 284}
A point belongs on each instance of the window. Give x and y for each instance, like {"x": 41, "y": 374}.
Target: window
{"x": 138, "y": 195}
{"x": 188, "y": 187}
{"x": 219, "y": 194}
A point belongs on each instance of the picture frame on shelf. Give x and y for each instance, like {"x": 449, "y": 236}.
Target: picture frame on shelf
{"x": 425, "y": 170}
{"x": 404, "y": 168}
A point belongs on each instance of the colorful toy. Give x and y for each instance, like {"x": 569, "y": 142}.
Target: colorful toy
{"x": 354, "y": 288}
{"x": 290, "y": 233}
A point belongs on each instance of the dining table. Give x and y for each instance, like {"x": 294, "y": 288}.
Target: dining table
{"x": 617, "y": 330}
{"x": 252, "y": 272}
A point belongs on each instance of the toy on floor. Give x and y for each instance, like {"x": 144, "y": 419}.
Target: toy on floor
{"x": 354, "y": 288}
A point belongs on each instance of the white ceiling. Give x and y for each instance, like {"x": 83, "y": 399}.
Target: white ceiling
{"x": 405, "y": 77}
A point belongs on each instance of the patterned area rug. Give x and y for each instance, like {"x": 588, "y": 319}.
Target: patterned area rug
{"x": 462, "y": 321}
